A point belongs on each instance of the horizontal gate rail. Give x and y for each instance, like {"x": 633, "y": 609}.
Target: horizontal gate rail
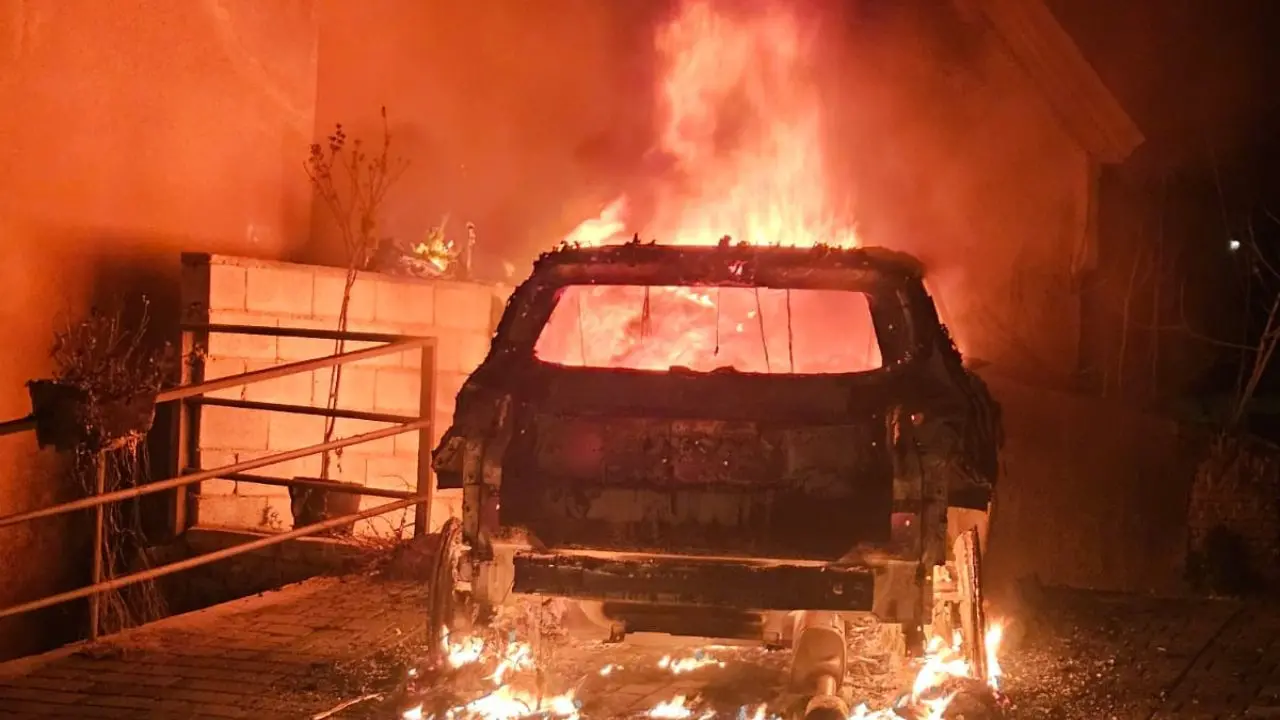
{"x": 25, "y": 424}
{"x": 272, "y": 331}
{"x": 279, "y": 371}
{"x": 304, "y": 410}
{"x": 397, "y": 344}
{"x": 307, "y": 482}
{"x": 192, "y": 396}
{"x": 197, "y": 561}
{"x": 209, "y": 474}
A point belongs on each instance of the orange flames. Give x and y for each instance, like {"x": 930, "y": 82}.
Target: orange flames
{"x": 511, "y": 698}
{"x": 741, "y": 123}
{"x": 750, "y": 329}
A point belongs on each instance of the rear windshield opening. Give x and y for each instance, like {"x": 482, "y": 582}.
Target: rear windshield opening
{"x": 756, "y": 330}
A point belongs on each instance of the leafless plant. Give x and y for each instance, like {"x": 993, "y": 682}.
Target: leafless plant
{"x": 1256, "y": 362}
{"x": 1169, "y": 317}
{"x": 353, "y": 184}
{"x": 110, "y": 359}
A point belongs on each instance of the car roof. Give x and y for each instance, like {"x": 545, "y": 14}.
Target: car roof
{"x": 876, "y": 260}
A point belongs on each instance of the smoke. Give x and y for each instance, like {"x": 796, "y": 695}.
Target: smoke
{"x": 932, "y": 138}
{"x": 518, "y": 117}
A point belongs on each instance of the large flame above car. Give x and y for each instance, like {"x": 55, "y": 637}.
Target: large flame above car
{"x": 741, "y": 124}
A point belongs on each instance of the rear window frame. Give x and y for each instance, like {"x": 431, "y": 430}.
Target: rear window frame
{"x": 708, "y": 288}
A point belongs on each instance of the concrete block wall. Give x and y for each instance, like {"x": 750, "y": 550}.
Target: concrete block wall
{"x": 238, "y": 291}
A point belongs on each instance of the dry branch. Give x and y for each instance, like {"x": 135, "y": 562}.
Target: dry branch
{"x": 366, "y": 178}
{"x": 106, "y": 360}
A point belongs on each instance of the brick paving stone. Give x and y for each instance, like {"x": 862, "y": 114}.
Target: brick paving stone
{"x": 1093, "y": 656}
{"x": 244, "y": 659}
{"x": 1232, "y": 677}
{"x": 1085, "y": 656}
{"x": 1112, "y": 657}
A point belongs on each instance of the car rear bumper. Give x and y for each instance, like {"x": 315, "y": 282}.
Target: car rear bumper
{"x": 745, "y": 585}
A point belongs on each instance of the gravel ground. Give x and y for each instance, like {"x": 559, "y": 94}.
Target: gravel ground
{"x": 1087, "y": 656}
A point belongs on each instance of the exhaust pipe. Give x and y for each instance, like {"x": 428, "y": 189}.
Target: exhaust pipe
{"x": 826, "y": 703}
{"x": 818, "y": 663}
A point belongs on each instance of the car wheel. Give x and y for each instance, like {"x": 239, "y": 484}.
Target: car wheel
{"x": 958, "y": 605}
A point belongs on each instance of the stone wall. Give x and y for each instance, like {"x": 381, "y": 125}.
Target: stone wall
{"x": 1233, "y": 518}
{"x": 236, "y": 291}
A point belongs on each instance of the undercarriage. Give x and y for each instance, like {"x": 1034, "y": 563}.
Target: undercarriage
{"x": 803, "y": 607}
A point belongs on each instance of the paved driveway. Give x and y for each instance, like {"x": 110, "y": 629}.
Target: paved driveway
{"x": 309, "y": 647}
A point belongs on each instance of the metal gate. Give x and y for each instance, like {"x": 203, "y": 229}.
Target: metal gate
{"x": 191, "y": 395}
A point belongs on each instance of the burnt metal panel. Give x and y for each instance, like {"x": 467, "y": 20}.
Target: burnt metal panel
{"x": 701, "y": 486}
{"x": 766, "y": 523}
{"x": 610, "y": 392}
{"x": 710, "y": 452}
{"x": 832, "y": 460}
{"x": 740, "y": 585}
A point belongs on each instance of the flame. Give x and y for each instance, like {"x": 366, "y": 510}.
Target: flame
{"x": 995, "y": 635}
{"x": 518, "y": 656}
{"x": 944, "y": 663}
{"x": 598, "y": 230}
{"x": 927, "y": 699}
{"x": 436, "y": 250}
{"x": 740, "y": 123}
{"x": 679, "y": 666}
{"x": 463, "y": 653}
{"x": 673, "y": 709}
{"x": 749, "y": 329}
{"x": 507, "y": 703}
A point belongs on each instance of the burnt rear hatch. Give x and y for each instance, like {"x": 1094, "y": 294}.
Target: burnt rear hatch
{"x": 736, "y": 413}
{"x": 683, "y": 419}
{"x": 713, "y": 464}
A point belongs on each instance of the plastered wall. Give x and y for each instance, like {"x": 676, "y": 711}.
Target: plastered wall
{"x": 129, "y": 132}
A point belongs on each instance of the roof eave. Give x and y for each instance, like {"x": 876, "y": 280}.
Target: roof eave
{"x": 1055, "y": 65}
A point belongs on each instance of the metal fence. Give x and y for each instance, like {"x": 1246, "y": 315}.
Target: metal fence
{"x": 191, "y": 395}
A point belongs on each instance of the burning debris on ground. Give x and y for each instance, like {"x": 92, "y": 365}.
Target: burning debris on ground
{"x": 507, "y": 672}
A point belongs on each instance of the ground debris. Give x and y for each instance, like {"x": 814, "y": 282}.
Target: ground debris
{"x": 1091, "y": 656}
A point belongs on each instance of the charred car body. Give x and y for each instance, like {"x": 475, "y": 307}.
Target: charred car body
{"x": 732, "y": 492}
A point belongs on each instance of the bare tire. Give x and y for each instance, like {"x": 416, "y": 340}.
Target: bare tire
{"x": 970, "y": 603}
{"x": 444, "y": 606}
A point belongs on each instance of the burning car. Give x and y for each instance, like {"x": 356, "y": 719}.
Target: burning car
{"x": 727, "y": 441}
